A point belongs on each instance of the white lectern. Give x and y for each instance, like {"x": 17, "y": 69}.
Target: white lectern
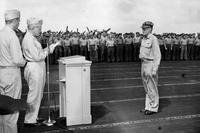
{"x": 74, "y": 84}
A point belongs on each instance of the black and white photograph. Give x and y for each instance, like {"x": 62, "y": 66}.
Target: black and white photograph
{"x": 99, "y": 66}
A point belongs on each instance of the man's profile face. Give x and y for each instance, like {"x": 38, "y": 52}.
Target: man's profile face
{"x": 37, "y": 30}
{"x": 16, "y": 23}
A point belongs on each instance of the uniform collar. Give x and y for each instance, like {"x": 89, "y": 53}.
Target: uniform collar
{"x": 31, "y": 35}
{"x": 149, "y": 35}
{"x": 9, "y": 29}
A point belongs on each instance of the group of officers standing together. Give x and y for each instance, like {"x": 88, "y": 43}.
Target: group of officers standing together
{"x": 101, "y": 46}
{"x": 13, "y": 56}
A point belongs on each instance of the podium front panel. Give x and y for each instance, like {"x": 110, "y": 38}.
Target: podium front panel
{"x": 75, "y": 101}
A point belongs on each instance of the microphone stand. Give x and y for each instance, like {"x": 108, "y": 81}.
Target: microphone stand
{"x": 48, "y": 122}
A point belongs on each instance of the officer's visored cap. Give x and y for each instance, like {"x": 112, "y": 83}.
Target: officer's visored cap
{"x": 34, "y": 21}
{"x": 147, "y": 24}
{"x": 11, "y": 14}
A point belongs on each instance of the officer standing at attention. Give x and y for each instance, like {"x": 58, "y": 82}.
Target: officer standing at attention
{"x": 74, "y": 42}
{"x": 11, "y": 60}
{"x": 150, "y": 56}
{"x": 191, "y": 41}
{"x": 176, "y": 49}
{"x": 110, "y": 47}
{"x": 168, "y": 44}
{"x": 83, "y": 46}
{"x": 102, "y": 45}
{"x": 35, "y": 70}
{"x": 92, "y": 48}
{"x": 128, "y": 48}
{"x": 197, "y": 48}
{"x": 66, "y": 44}
{"x": 161, "y": 44}
{"x": 120, "y": 48}
{"x": 96, "y": 41}
{"x": 184, "y": 42}
{"x": 136, "y": 46}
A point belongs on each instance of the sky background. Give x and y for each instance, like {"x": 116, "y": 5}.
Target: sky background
{"x": 121, "y": 15}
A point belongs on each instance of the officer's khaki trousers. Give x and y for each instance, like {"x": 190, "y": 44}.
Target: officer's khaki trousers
{"x": 184, "y": 52}
{"x": 11, "y": 77}
{"x": 150, "y": 85}
{"x": 35, "y": 75}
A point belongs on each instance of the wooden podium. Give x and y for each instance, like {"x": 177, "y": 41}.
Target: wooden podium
{"x": 74, "y": 86}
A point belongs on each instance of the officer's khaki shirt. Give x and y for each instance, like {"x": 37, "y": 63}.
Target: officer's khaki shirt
{"x": 128, "y": 41}
{"x": 74, "y": 41}
{"x": 110, "y": 43}
{"x": 32, "y": 49}
{"x": 83, "y": 42}
{"x": 168, "y": 41}
{"x": 175, "y": 41}
{"x": 10, "y": 49}
{"x": 119, "y": 41}
{"x": 161, "y": 41}
{"x": 66, "y": 42}
{"x": 149, "y": 49}
{"x": 184, "y": 41}
{"x": 103, "y": 40}
{"x": 197, "y": 42}
{"x": 91, "y": 41}
{"x": 137, "y": 39}
{"x": 96, "y": 41}
{"x": 191, "y": 40}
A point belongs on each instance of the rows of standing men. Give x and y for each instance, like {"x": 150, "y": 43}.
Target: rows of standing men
{"x": 116, "y": 47}
{"x": 101, "y": 46}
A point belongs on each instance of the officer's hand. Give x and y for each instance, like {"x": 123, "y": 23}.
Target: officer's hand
{"x": 57, "y": 43}
{"x": 153, "y": 73}
{"x": 51, "y": 48}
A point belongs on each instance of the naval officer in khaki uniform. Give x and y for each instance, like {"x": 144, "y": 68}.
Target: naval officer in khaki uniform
{"x": 150, "y": 56}
{"x": 11, "y": 60}
{"x": 35, "y": 70}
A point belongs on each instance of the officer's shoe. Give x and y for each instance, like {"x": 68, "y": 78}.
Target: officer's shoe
{"x": 147, "y": 112}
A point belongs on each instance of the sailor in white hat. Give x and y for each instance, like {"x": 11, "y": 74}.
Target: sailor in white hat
{"x": 35, "y": 70}
{"x": 11, "y": 60}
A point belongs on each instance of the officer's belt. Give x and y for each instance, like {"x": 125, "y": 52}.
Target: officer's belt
{"x": 145, "y": 59}
{"x": 136, "y": 43}
{"x": 4, "y": 67}
{"x": 33, "y": 61}
{"x": 26, "y": 62}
